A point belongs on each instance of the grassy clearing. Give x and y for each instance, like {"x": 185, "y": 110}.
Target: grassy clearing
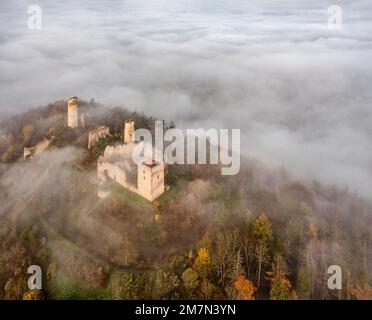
{"x": 168, "y": 195}
{"x": 63, "y": 243}
{"x": 129, "y": 197}
{"x": 114, "y": 284}
{"x": 63, "y": 288}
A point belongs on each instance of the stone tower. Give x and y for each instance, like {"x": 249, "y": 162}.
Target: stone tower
{"x": 128, "y": 131}
{"x": 72, "y": 112}
{"x": 151, "y": 179}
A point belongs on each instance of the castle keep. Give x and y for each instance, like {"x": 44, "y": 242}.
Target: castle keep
{"x": 128, "y": 131}
{"x": 72, "y": 112}
{"x": 116, "y": 164}
{"x": 151, "y": 179}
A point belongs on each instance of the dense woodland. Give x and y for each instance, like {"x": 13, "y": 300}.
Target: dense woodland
{"x": 261, "y": 234}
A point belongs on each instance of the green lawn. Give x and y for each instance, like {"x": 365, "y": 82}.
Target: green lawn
{"x": 167, "y": 195}
{"x": 129, "y": 197}
{"x": 62, "y": 287}
{"x": 67, "y": 289}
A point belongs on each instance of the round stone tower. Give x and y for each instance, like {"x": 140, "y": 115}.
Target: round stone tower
{"x": 72, "y": 112}
{"x": 128, "y": 131}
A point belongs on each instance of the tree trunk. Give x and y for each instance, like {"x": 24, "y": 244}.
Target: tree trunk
{"x": 259, "y": 270}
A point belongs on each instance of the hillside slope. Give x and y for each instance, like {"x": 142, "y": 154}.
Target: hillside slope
{"x": 209, "y": 236}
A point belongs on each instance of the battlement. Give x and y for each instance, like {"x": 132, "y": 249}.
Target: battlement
{"x": 150, "y": 163}
{"x": 73, "y": 100}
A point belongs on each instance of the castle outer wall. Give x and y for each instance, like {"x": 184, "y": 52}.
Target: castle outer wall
{"x": 149, "y": 183}
{"x": 95, "y": 135}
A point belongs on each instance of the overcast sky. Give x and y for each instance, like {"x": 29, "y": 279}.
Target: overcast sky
{"x": 300, "y": 93}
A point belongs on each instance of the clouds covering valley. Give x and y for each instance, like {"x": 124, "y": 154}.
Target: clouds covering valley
{"x": 299, "y": 92}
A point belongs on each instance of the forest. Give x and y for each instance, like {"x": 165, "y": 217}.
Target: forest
{"x": 260, "y": 234}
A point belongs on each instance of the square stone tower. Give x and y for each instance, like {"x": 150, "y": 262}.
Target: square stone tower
{"x": 72, "y": 113}
{"x": 128, "y": 131}
{"x": 151, "y": 179}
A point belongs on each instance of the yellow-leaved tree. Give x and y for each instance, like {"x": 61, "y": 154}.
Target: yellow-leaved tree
{"x": 245, "y": 288}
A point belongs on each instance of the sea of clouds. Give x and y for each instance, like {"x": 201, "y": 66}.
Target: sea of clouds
{"x": 300, "y": 92}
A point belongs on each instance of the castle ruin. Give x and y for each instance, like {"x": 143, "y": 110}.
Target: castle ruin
{"x": 145, "y": 179}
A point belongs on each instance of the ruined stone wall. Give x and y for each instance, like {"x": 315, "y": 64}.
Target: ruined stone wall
{"x": 116, "y": 173}
{"x": 27, "y": 153}
{"x": 117, "y": 164}
{"x": 43, "y": 145}
{"x": 40, "y": 147}
{"x": 95, "y": 135}
{"x": 150, "y": 180}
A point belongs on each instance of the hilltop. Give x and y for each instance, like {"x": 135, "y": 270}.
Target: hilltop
{"x": 261, "y": 233}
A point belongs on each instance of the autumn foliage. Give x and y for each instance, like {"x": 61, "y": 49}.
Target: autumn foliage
{"x": 245, "y": 288}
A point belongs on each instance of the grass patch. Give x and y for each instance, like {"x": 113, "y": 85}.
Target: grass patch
{"x": 132, "y": 199}
{"x": 64, "y": 288}
{"x": 167, "y": 195}
{"x": 63, "y": 243}
{"x": 102, "y": 143}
